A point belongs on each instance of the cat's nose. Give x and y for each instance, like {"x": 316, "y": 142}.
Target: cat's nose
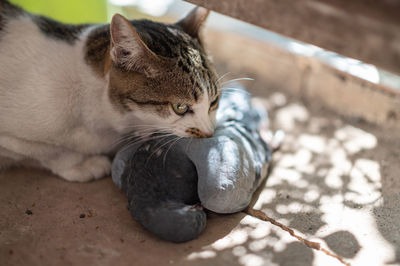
{"x": 208, "y": 135}
{"x": 197, "y": 133}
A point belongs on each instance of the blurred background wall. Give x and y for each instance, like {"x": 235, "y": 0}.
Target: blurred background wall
{"x": 69, "y": 11}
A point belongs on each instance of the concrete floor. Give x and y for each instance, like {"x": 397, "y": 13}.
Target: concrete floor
{"x": 335, "y": 182}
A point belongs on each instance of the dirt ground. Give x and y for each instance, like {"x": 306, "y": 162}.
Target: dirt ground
{"x": 335, "y": 181}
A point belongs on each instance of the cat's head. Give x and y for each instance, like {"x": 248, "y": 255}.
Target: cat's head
{"x": 160, "y": 75}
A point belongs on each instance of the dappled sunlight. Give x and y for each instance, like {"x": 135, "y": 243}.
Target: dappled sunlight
{"x": 206, "y": 254}
{"x": 289, "y": 115}
{"x": 313, "y": 143}
{"x": 238, "y": 237}
{"x": 261, "y": 230}
{"x": 325, "y": 184}
{"x": 308, "y": 159}
{"x": 253, "y": 243}
{"x": 321, "y": 173}
{"x": 251, "y": 260}
{"x": 355, "y": 139}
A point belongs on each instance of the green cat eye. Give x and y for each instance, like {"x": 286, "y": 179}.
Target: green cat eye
{"x": 179, "y": 108}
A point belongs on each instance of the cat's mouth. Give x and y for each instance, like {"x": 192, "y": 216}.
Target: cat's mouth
{"x": 197, "y": 133}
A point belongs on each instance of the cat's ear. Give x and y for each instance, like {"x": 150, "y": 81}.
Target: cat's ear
{"x": 192, "y": 23}
{"x": 128, "y": 49}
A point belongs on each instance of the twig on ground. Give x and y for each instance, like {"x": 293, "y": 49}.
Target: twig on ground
{"x": 311, "y": 244}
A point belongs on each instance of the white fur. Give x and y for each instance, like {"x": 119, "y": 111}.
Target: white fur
{"x": 52, "y": 106}
{"x": 55, "y": 109}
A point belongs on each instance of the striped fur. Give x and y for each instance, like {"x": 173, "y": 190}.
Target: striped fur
{"x": 188, "y": 70}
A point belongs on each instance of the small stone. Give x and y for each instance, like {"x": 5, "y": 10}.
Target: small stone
{"x": 82, "y": 215}
{"x": 29, "y": 212}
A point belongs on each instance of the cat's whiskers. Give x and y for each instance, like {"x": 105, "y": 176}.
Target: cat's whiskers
{"x": 193, "y": 88}
{"x": 190, "y": 142}
{"x": 237, "y": 79}
{"x": 143, "y": 128}
{"x": 170, "y": 146}
{"x": 137, "y": 141}
{"x": 130, "y": 136}
{"x": 134, "y": 137}
{"x": 223, "y": 76}
{"x": 232, "y": 90}
{"x": 145, "y": 125}
{"x": 141, "y": 134}
{"x": 161, "y": 146}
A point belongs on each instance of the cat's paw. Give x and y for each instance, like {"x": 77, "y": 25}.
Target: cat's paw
{"x": 92, "y": 168}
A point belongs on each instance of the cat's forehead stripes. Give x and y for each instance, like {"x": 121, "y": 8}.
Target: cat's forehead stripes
{"x": 158, "y": 38}
{"x": 170, "y": 41}
{"x": 161, "y": 41}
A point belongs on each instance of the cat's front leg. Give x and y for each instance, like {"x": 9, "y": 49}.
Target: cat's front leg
{"x": 79, "y": 168}
{"x": 70, "y": 165}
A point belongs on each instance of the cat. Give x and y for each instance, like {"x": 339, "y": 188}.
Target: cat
{"x": 68, "y": 93}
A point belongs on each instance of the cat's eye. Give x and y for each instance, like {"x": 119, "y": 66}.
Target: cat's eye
{"x": 179, "y": 108}
{"x": 214, "y": 103}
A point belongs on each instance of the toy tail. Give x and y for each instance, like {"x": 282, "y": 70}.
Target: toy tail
{"x": 184, "y": 223}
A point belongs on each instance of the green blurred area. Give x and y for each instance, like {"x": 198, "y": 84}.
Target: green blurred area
{"x": 68, "y": 11}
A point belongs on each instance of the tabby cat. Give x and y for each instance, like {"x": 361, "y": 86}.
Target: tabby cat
{"x": 68, "y": 93}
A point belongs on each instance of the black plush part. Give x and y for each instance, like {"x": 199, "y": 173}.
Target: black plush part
{"x": 171, "y": 221}
{"x": 160, "y": 198}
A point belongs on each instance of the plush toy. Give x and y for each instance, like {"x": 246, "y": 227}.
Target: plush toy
{"x": 168, "y": 185}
